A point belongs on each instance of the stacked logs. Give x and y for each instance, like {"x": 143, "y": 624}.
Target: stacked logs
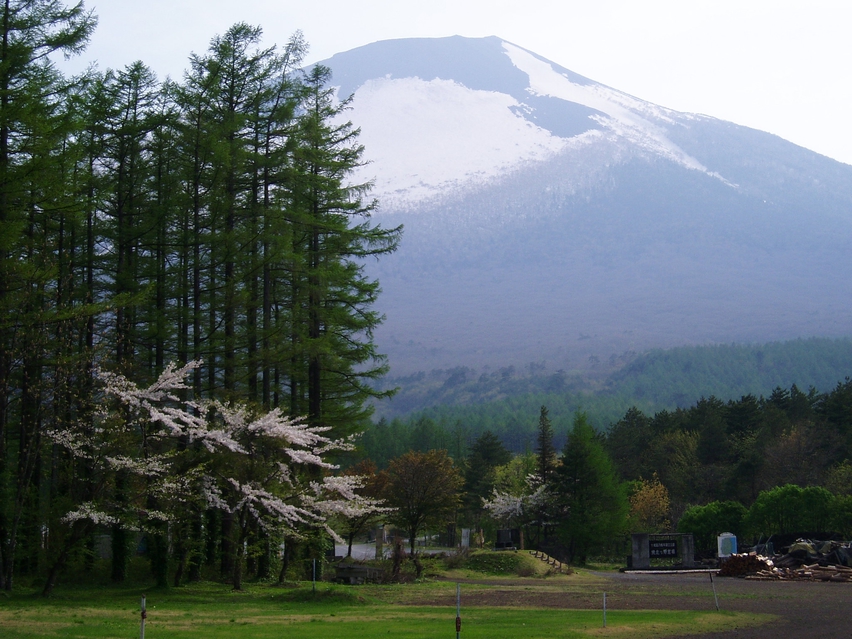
{"x": 813, "y": 572}
{"x": 756, "y": 567}
{"x": 745, "y": 564}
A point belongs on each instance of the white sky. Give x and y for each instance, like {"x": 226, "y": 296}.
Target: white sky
{"x": 776, "y": 65}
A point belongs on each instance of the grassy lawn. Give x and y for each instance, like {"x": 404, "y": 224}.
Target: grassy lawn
{"x": 211, "y": 610}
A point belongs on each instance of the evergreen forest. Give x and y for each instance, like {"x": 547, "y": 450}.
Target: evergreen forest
{"x": 210, "y": 222}
{"x": 450, "y": 408}
{"x": 769, "y": 466}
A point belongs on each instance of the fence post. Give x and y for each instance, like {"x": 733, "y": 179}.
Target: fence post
{"x": 142, "y": 623}
{"x": 458, "y": 610}
{"x": 715, "y": 596}
{"x": 604, "y": 610}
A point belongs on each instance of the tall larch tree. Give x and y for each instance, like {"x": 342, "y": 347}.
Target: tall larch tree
{"x": 545, "y": 451}
{"x": 31, "y": 122}
{"x": 593, "y": 502}
{"x": 331, "y": 310}
{"x": 214, "y": 219}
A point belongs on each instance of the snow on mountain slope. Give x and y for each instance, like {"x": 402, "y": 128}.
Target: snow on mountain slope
{"x": 427, "y": 136}
{"x": 624, "y": 114}
{"x": 424, "y": 137}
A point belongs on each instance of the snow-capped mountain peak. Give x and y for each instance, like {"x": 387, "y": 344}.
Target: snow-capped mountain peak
{"x": 434, "y": 132}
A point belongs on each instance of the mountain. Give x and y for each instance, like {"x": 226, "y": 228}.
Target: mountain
{"x": 549, "y": 218}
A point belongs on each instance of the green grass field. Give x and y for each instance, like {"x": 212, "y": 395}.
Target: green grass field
{"x": 264, "y": 611}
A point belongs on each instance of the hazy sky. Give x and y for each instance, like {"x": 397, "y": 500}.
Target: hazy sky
{"x": 775, "y": 65}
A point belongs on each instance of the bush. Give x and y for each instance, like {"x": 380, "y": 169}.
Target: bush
{"x": 842, "y": 516}
{"x": 706, "y": 522}
{"x": 458, "y": 559}
{"x": 791, "y": 509}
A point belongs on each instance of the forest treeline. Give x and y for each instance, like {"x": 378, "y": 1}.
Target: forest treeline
{"x": 210, "y": 220}
{"x": 458, "y": 404}
{"x": 585, "y": 500}
{"x": 734, "y": 450}
{"x": 713, "y": 450}
{"x": 755, "y": 466}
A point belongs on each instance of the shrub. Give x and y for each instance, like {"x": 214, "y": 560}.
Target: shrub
{"x": 457, "y": 559}
{"x": 791, "y": 509}
{"x": 706, "y": 522}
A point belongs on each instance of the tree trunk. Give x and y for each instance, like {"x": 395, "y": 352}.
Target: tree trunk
{"x": 159, "y": 555}
{"x": 120, "y": 550}
{"x": 264, "y": 562}
{"x": 226, "y": 548}
{"x": 195, "y": 553}
{"x": 119, "y": 553}
{"x": 398, "y": 554}
{"x": 80, "y": 529}
{"x": 285, "y": 561}
{"x": 239, "y": 555}
{"x": 417, "y": 565}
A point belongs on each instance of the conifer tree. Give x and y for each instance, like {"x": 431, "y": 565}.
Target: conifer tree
{"x": 593, "y": 503}
{"x": 486, "y": 454}
{"x": 213, "y": 220}
{"x": 31, "y": 201}
{"x": 545, "y": 452}
{"x": 331, "y": 315}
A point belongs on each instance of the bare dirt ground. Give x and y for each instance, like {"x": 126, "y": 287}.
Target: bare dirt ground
{"x": 805, "y": 609}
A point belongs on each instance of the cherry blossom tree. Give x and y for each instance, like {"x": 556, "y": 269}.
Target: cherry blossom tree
{"x": 509, "y": 509}
{"x": 368, "y": 505}
{"x": 263, "y": 469}
{"x": 520, "y": 499}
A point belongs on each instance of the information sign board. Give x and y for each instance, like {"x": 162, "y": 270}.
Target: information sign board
{"x": 662, "y": 548}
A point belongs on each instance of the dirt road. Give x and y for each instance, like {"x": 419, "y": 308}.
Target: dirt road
{"x": 818, "y": 610}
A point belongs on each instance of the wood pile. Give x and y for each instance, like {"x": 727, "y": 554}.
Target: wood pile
{"x": 813, "y": 572}
{"x": 742, "y": 565}
{"x": 760, "y": 568}
{"x": 805, "y": 560}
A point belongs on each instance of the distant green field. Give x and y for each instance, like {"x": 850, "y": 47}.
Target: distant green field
{"x": 211, "y": 611}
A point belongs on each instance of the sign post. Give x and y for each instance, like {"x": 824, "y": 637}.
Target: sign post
{"x": 144, "y": 616}
{"x": 668, "y": 546}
